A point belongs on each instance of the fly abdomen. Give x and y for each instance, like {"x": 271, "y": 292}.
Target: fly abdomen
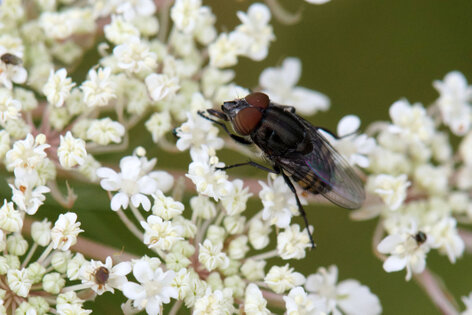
{"x": 310, "y": 182}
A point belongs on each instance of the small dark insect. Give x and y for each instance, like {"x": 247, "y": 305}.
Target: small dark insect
{"x": 101, "y": 275}
{"x": 296, "y": 149}
{"x": 420, "y": 237}
{"x": 11, "y": 59}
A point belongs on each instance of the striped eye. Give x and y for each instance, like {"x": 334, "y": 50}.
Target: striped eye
{"x": 246, "y": 120}
{"x": 258, "y": 99}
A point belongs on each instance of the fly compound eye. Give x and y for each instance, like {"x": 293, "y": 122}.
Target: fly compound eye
{"x": 246, "y": 120}
{"x": 258, "y": 99}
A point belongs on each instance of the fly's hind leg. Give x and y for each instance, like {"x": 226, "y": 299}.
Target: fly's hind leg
{"x": 251, "y": 163}
{"x": 300, "y": 207}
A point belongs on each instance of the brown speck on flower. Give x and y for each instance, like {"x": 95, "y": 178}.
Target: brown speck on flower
{"x": 101, "y": 275}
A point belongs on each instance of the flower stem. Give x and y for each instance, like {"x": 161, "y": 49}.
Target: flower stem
{"x": 137, "y": 214}
{"x": 266, "y": 255}
{"x": 130, "y": 225}
{"x": 45, "y": 253}
{"x": 437, "y": 292}
{"x": 30, "y": 254}
{"x": 175, "y": 308}
{"x": 282, "y": 15}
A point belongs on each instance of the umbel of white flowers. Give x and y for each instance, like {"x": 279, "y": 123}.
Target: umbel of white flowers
{"x": 157, "y": 73}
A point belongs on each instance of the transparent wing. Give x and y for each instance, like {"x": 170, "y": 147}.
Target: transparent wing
{"x": 325, "y": 171}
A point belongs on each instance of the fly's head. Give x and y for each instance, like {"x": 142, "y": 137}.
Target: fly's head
{"x": 246, "y": 113}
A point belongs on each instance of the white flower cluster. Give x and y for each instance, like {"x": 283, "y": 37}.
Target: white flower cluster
{"x": 420, "y": 191}
{"x": 214, "y": 258}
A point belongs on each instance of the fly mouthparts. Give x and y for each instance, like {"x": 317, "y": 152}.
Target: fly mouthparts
{"x": 218, "y": 114}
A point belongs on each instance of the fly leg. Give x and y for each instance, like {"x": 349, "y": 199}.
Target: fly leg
{"x": 300, "y": 207}
{"x": 219, "y": 123}
{"x": 259, "y": 166}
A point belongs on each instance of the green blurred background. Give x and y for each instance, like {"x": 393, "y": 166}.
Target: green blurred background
{"x": 364, "y": 55}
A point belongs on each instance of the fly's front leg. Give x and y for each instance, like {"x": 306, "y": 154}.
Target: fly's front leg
{"x": 300, "y": 207}
{"x": 251, "y": 163}
{"x": 219, "y": 123}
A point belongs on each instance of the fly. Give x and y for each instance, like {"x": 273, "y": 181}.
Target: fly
{"x": 10, "y": 59}
{"x": 295, "y": 148}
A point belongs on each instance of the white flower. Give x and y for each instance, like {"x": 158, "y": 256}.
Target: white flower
{"x": 255, "y": 27}
{"x": 197, "y": 132}
{"x": 161, "y": 86}
{"x": 454, "y": 102}
{"x": 465, "y": 149}
{"x": 135, "y": 56}
{"x": 279, "y": 202}
{"x": 71, "y": 151}
{"x": 211, "y": 256}
{"x": 41, "y": 232}
{"x": 166, "y": 207}
{"x": 4, "y": 143}
{"x": 58, "y": 87}
{"x": 235, "y": 202}
{"x": 349, "y": 296}
{"x": 119, "y": 30}
{"x": 291, "y": 243}
{"x": 411, "y": 121}
{"x": 10, "y": 219}
{"x": 12, "y": 73}
{"x": 405, "y": 252}
{"x": 103, "y": 277}
{"x": 205, "y": 31}
{"x": 27, "y": 153}
{"x": 280, "y": 83}
{"x": 27, "y": 195}
{"x": 185, "y": 13}
{"x": 16, "y": 244}
{"x": 234, "y": 224}
{"x": 317, "y": 1}
{"x": 354, "y": 147}
{"x": 158, "y": 125}
{"x": 298, "y": 302}
{"x": 160, "y": 234}
{"x": 203, "y": 207}
{"x": 53, "y": 283}
{"x": 9, "y": 108}
{"x": 225, "y": 49}
{"x": 446, "y": 238}
{"x": 132, "y": 183}
{"x": 258, "y": 234}
{"x": 253, "y": 270}
{"x": 467, "y": 300}
{"x": 281, "y": 279}
{"x": 56, "y": 25}
{"x": 238, "y": 247}
{"x": 19, "y": 281}
{"x": 213, "y": 78}
{"x": 254, "y": 302}
{"x": 99, "y": 89}
{"x": 208, "y": 181}
{"x": 103, "y": 131}
{"x": 65, "y": 231}
{"x": 215, "y": 303}
{"x": 391, "y": 189}
{"x": 432, "y": 179}
{"x": 136, "y": 9}
{"x": 153, "y": 290}
{"x": 67, "y": 309}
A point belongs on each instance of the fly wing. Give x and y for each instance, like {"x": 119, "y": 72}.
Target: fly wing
{"x": 323, "y": 170}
